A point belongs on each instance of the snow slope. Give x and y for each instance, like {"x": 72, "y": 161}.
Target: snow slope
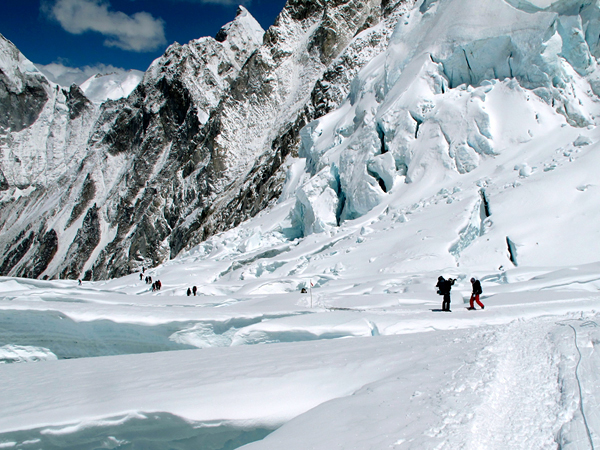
{"x": 111, "y": 86}
{"x": 369, "y": 365}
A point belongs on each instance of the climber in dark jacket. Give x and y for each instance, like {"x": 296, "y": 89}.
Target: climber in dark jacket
{"x": 476, "y": 292}
{"x": 189, "y": 292}
{"x": 444, "y": 286}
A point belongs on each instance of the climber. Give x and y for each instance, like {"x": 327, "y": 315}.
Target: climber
{"x": 475, "y": 295}
{"x": 444, "y": 286}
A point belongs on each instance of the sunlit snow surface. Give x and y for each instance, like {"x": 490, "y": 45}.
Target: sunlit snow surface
{"x": 420, "y": 173}
{"x": 112, "y": 86}
{"x": 370, "y": 365}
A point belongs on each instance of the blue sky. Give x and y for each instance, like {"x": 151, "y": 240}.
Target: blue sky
{"x": 127, "y": 34}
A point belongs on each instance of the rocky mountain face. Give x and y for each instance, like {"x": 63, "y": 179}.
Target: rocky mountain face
{"x": 199, "y": 146}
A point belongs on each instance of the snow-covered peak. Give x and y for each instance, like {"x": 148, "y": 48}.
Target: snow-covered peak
{"x": 235, "y": 41}
{"x": 111, "y": 86}
{"x": 15, "y": 67}
{"x": 207, "y": 66}
{"x": 244, "y": 27}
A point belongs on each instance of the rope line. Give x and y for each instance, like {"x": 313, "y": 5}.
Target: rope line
{"x": 581, "y": 408}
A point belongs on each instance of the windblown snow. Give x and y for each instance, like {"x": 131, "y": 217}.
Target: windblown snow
{"x": 467, "y": 148}
{"x": 110, "y": 86}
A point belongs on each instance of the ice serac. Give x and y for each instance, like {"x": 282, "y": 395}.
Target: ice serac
{"x": 430, "y": 107}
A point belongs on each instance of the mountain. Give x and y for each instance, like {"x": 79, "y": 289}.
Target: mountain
{"x": 99, "y": 83}
{"x": 375, "y": 98}
{"x": 198, "y": 147}
{"x": 453, "y": 138}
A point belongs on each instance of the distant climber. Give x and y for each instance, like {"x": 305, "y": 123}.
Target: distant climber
{"x": 476, "y": 292}
{"x": 189, "y": 292}
{"x": 158, "y": 285}
{"x": 141, "y": 277}
{"x": 194, "y": 290}
{"x": 79, "y": 282}
{"x": 444, "y": 286}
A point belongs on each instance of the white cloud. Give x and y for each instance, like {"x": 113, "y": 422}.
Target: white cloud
{"x": 65, "y": 76}
{"x": 139, "y": 32}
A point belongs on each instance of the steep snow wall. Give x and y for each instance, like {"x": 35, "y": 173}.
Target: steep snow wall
{"x": 464, "y": 87}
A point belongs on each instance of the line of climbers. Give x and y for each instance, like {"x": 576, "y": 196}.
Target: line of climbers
{"x": 444, "y": 286}
{"x": 156, "y": 285}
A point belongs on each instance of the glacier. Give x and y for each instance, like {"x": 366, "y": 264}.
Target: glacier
{"x": 448, "y": 100}
{"x": 438, "y": 137}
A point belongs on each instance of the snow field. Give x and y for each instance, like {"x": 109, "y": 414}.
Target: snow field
{"x": 409, "y": 378}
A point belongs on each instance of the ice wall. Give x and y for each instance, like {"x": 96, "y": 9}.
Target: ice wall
{"x": 435, "y": 102}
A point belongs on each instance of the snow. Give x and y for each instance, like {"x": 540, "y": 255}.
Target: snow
{"x": 434, "y": 165}
{"x": 15, "y": 67}
{"x": 358, "y": 371}
{"x": 111, "y": 86}
{"x": 360, "y": 361}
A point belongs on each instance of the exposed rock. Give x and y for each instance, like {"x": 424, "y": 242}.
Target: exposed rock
{"x": 20, "y": 110}
{"x": 46, "y": 251}
{"x": 77, "y": 102}
{"x": 86, "y": 240}
{"x": 87, "y": 194}
{"x": 3, "y": 182}
{"x": 23, "y": 89}
{"x": 14, "y": 256}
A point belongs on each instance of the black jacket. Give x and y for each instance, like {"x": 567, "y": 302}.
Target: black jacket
{"x": 444, "y": 285}
{"x": 477, "y": 287}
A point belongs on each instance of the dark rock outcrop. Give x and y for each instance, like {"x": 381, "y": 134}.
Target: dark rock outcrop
{"x": 13, "y": 257}
{"x": 86, "y": 240}
{"x": 77, "y": 102}
{"x": 48, "y": 246}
